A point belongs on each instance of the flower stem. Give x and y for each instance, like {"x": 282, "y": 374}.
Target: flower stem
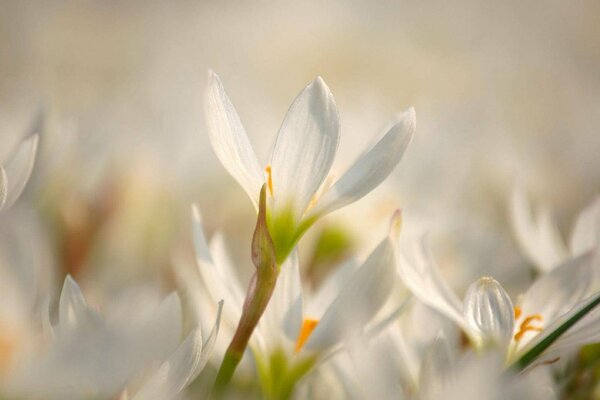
{"x": 257, "y": 297}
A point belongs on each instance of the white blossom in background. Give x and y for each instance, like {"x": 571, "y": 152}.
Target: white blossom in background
{"x": 132, "y": 351}
{"x": 15, "y": 170}
{"x": 488, "y": 316}
{"x": 539, "y": 237}
{"x": 299, "y": 190}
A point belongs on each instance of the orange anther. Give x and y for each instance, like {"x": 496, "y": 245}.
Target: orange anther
{"x": 308, "y": 326}
{"x": 527, "y": 327}
{"x": 269, "y": 179}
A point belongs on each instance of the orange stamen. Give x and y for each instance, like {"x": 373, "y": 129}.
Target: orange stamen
{"x": 269, "y": 179}
{"x": 308, "y": 326}
{"x": 518, "y": 312}
{"x": 527, "y": 327}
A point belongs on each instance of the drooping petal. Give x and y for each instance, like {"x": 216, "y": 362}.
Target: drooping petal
{"x": 489, "y": 311}
{"x": 15, "y": 173}
{"x": 229, "y": 140}
{"x": 357, "y": 303}
{"x": 586, "y": 234}
{"x": 540, "y": 241}
{"x": 182, "y": 367}
{"x": 370, "y": 169}
{"x": 305, "y": 147}
{"x": 421, "y": 275}
{"x": 216, "y": 279}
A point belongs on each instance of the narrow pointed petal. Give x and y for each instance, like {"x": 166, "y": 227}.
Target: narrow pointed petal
{"x": 305, "y": 147}
{"x": 359, "y": 301}
{"x": 586, "y": 234}
{"x": 539, "y": 241}
{"x": 370, "y": 169}
{"x": 182, "y": 367}
{"x": 72, "y": 309}
{"x": 421, "y": 275}
{"x": 16, "y": 171}
{"x": 229, "y": 140}
{"x": 489, "y": 311}
{"x": 215, "y": 278}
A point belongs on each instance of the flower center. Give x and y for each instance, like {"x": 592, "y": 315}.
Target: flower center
{"x": 308, "y": 326}
{"x": 527, "y": 324}
{"x": 269, "y": 179}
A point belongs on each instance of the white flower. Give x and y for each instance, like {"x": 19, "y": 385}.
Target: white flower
{"x": 133, "y": 352}
{"x": 15, "y": 171}
{"x": 540, "y": 239}
{"x": 487, "y": 314}
{"x": 286, "y": 326}
{"x": 301, "y": 159}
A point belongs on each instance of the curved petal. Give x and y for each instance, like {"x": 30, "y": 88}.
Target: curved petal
{"x": 586, "y": 234}
{"x": 305, "y": 147}
{"x": 489, "y": 311}
{"x": 182, "y": 367}
{"x": 359, "y": 300}
{"x": 370, "y": 169}
{"x": 216, "y": 279}
{"x": 229, "y": 140}
{"x": 540, "y": 241}
{"x": 72, "y": 308}
{"x": 421, "y": 275}
{"x": 15, "y": 173}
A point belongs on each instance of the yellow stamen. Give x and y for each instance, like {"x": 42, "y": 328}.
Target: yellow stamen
{"x": 324, "y": 188}
{"x": 269, "y": 179}
{"x": 308, "y": 326}
{"x": 518, "y": 312}
{"x": 526, "y": 326}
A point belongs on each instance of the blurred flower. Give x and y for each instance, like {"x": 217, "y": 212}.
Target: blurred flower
{"x": 540, "y": 239}
{"x": 304, "y": 151}
{"x": 133, "y": 350}
{"x": 488, "y": 316}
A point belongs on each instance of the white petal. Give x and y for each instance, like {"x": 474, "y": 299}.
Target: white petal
{"x": 216, "y": 279}
{"x": 539, "y": 241}
{"x": 558, "y": 291}
{"x": 73, "y": 309}
{"x": 371, "y": 168}
{"x": 586, "y": 234}
{"x": 305, "y": 147}
{"x": 358, "y": 302}
{"x": 489, "y": 311}
{"x": 421, "y": 275}
{"x": 17, "y": 170}
{"x": 435, "y": 368}
{"x": 182, "y": 367}
{"x": 229, "y": 139}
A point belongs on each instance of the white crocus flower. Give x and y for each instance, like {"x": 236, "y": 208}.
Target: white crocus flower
{"x": 301, "y": 159}
{"x": 15, "y": 171}
{"x": 487, "y": 314}
{"x": 539, "y": 237}
{"x": 135, "y": 354}
{"x": 286, "y": 328}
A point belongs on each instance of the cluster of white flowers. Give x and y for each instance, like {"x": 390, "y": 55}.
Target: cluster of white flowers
{"x": 389, "y": 327}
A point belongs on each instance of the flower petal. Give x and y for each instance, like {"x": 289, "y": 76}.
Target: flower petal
{"x": 216, "y": 279}
{"x": 421, "y": 275}
{"x": 540, "y": 241}
{"x": 370, "y": 169}
{"x": 73, "y": 309}
{"x": 437, "y": 364}
{"x": 489, "y": 311}
{"x": 229, "y": 140}
{"x": 357, "y": 303}
{"x": 586, "y": 234}
{"x": 305, "y": 147}
{"x": 15, "y": 173}
{"x": 182, "y": 367}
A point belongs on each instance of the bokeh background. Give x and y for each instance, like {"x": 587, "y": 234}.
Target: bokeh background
{"x": 505, "y": 91}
